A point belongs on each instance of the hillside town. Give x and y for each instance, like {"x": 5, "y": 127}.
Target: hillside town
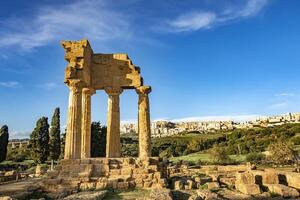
{"x": 163, "y": 128}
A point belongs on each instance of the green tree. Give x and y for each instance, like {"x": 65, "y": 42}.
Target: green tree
{"x": 3, "y": 142}
{"x": 39, "y": 141}
{"x": 220, "y": 156}
{"x": 98, "y": 140}
{"x": 54, "y": 136}
{"x": 282, "y": 153}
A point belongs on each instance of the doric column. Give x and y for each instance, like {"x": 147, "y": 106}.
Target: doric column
{"x": 113, "y": 143}
{"x": 73, "y": 137}
{"x": 86, "y": 122}
{"x": 144, "y": 122}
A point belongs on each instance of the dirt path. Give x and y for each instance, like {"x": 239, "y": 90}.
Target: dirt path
{"x": 17, "y": 187}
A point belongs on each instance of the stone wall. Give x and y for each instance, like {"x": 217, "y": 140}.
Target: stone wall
{"x": 104, "y": 173}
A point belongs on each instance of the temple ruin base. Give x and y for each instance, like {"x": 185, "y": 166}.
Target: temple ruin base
{"x": 105, "y": 173}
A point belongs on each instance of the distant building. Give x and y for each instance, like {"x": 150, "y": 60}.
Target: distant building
{"x": 18, "y": 143}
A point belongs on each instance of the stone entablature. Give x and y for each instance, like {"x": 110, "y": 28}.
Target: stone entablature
{"x": 87, "y": 72}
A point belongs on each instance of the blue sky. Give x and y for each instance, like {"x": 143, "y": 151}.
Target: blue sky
{"x": 233, "y": 58}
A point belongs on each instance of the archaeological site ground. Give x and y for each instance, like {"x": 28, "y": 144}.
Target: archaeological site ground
{"x": 149, "y": 100}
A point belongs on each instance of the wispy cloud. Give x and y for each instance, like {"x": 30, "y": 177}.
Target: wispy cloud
{"x": 9, "y": 84}
{"x": 91, "y": 19}
{"x": 279, "y": 105}
{"x": 197, "y": 20}
{"x": 285, "y": 94}
{"x": 48, "y": 85}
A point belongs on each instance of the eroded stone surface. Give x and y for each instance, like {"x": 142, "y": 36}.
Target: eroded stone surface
{"x": 86, "y": 72}
{"x": 91, "y": 195}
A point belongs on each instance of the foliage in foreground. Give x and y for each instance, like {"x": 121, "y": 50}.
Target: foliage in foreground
{"x": 3, "y": 142}
{"x": 54, "y": 136}
{"x": 39, "y": 141}
{"x": 282, "y": 153}
{"x": 98, "y": 140}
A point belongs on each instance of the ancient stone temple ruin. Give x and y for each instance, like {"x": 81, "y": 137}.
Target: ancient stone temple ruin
{"x": 85, "y": 73}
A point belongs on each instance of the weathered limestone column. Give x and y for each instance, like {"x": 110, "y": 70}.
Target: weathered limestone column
{"x": 144, "y": 122}
{"x": 73, "y": 137}
{"x": 113, "y": 143}
{"x": 86, "y": 122}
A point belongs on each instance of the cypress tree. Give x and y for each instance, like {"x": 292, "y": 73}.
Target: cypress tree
{"x": 98, "y": 140}
{"x": 3, "y": 142}
{"x": 54, "y": 136}
{"x": 39, "y": 141}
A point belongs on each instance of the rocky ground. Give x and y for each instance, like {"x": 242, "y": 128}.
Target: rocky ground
{"x": 238, "y": 182}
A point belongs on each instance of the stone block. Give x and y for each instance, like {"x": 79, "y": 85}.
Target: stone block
{"x": 245, "y": 178}
{"x": 157, "y": 175}
{"x": 293, "y": 179}
{"x": 251, "y": 189}
{"x": 282, "y": 190}
{"x": 147, "y": 184}
{"x": 213, "y": 185}
{"x": 190, "y": 184}
{"x": 71, "y": 162}
{"x": 126, "y": 171}
{"x": 140, "y": 171}
{"x": 132, "y": 184}
{"x": 114, "y": 172}
{"x": 87, "y": 186}
{"x": 91, "y": 195}
{"x": 112, "y": 182}
{"x": 229, "y": 181}
{"x": 161, "y": 194}
{"x": 270, "y": 177}
{"x": 85, "y": 161}
{"x": 152, "y": 168}
{"x": 100, "y": 185}
{"x": 162, "y": 182}
{"x": 178, "y": 185}
{"x": 123, "y": 185}
{"x": 128, "y": 161}
{"x": 114, "y": 166}
{"x": 53, "y": 173}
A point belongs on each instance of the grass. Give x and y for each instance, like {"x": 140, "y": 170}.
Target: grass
{"x": 130, "y": 194}
{"x": 10, "y": 162}
{"x": 204, "y": 157}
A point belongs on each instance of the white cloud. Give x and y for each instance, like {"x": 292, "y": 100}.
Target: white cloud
{"x": 48, "y": 86}
{"x": 9, "y": 84}
{"x": 285, "y": 94}
{"x": 81, "y": 19}
{"x": 19, "y": 134}
{"x": 278, "y": 105}
{"x": 193, "y": 21}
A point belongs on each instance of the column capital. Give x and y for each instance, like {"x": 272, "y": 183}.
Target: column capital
{"x": 89, "y": 91}
{"x": 113, "y": 90}
{"x": 75, "y": 85}
{"x": 143, "y": 90}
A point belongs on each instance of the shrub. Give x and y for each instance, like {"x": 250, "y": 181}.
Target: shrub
{"x": 219, "y": 156}
{"x": 295, "y": 140}
{"x": 282, "y": 153}
{"x": 255, "y": 157}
